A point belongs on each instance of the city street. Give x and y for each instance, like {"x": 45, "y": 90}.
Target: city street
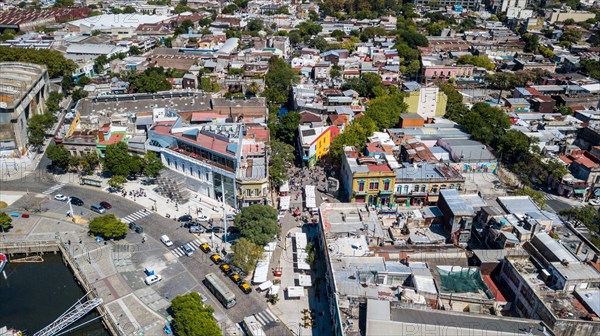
{"x": 180, "y": 274}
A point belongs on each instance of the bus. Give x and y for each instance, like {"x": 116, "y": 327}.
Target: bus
{"x": 219, "y": 290}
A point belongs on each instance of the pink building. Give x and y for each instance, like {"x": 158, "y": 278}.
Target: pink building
{"x": 447, "y": 71}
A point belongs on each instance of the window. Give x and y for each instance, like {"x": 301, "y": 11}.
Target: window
{"x": 423, "y": 188}
{"x": 405, "y": 189}
{"x": 452, "y": 186}
{"x": 374, "y": 186}
{"x": 416, "y": 188}
{"x": 434, "y": 188}
{"x": 386, "y": 185}
{"x": 248, "y": 192}
{"x": 257, "y": 192}
{"x": 361, "y": 186}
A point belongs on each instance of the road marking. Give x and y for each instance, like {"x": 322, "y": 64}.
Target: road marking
{"x": 194, "y": 245}
{"x": 549, "y": 197}
{"x": 53, "y": 189}
{"x": 135, "y": 216}
{"x": 265, "y": 317}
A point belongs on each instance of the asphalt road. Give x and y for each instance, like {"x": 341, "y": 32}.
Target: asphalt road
{"x": 178, "y": 278}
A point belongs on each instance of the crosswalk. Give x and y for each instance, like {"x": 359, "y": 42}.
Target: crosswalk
{"x": 265, "y": 317}
{"x": 135, "y": 216}
{"x": 53, "y": 189}
{"x": 549, "y": 197}
{"x": 194, "y": 245}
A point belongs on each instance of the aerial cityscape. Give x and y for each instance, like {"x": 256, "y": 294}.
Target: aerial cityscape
{"x": 299, "y": 167}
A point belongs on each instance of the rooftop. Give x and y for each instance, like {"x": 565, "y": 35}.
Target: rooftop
{"x": 16, "y": 79}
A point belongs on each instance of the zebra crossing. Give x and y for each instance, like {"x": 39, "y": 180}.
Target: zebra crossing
{"x": 265, "y": 317}
{"x": 53, "y": 189}
{"x": 549, "y": 197}
{"x": 135, "y": 216}
{"x": 194, "y": 245}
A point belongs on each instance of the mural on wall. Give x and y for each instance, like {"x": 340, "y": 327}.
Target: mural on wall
{"x": 475, "y": 167}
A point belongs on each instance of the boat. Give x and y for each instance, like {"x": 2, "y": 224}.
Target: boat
{"x": 3, "y": 261}
{"x": 5, "y": 331}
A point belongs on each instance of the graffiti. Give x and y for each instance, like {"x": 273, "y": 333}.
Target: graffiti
{"x": 475, "y": 167}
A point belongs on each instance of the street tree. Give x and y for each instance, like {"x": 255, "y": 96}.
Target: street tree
{"x": 279, "y": 80}
{"x": 5, "y": 222}
{"x": 59, "y": 155}
{"x": 108, "y": 226}
{"x": 152, "y": 165}
{"x": 258, "y": 223}
{"x": 117, "y": 181}
{"x": 192, "y": 317}
{"x": 281, "y": 159}
{"x": 117, "y": 159}
{"x": 246, "y": 254}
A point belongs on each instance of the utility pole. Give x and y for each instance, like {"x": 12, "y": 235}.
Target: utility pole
{"x": 224, "y": 212}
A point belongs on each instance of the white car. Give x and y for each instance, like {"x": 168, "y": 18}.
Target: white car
{"x": 150, "y": 280}
{"x": 165, "y": 239}
{"x": 202, "y": 218}
{"x": 61, "y": 197}
{"x": 595, "y": 202}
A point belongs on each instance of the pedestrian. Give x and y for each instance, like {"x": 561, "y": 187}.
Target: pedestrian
{"x": 69, "y": 242}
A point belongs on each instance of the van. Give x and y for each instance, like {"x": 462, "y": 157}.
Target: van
{"x": 97, "y": 208}
{"x": 165, "y": 239}
{"x": 187, "y": 250}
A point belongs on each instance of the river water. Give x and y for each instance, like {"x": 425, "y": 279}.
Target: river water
{"x": 35, "y": 294}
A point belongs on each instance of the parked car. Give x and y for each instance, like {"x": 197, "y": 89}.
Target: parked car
{"x": 235, "y": 278}
{"x": 165, "y": 239}
{"x": 61, "y": 197}
{"x": 105, "y": 205}
{"x": 230, "y": 217}
{"x": 203, "y": 297}
{"x": 197, "y": 229}
{"x": 216, "y": 259}
{"x": 217, "y": 229}
{"x": 205, "y": 248}
{"x": 595, "y": 202}
{"x": 133, "y": 226}
{"x": 131, "y": 177}
{"x": 185, "y": 218}
{"x": 245, "y": 287}
{"x": 226, "y": 269}
{"x": 187, "y": 250}
{"x": 76, "y": 201}
{"x": 202, "y": 218}
{"x": 152, "y": 279}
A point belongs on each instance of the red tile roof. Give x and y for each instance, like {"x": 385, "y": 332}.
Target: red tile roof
{"x": 379, "y": 168}
{"x": 114, "y": 138}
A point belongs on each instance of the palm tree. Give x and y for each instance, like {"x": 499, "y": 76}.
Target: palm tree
{"x": 502, "y": 81}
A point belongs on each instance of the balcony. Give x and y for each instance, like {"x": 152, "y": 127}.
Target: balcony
{"x": 199, "y": 158}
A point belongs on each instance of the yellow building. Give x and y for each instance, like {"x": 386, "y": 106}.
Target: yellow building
{"x": 314, "y": 142}
{"x": 428, "y": 102}
{"x": 367, "y": 179}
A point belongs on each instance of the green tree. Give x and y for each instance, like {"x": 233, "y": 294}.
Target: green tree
{"x": 150, "y": 81}
{"x": 152, "y": 165}
{"x": 99, "y": 63}
{"x": 108, "y": 226}
{"x": 83, "y": 81}
{"x": 253, "y": 89}
{"x": 586, "y": 215}
{"x": 258, "y": 223}
{"x": 513, "y": 145}
{"x": 313, "y": 16}
{"x": 117, "y": 159}
{"x": 64, "y": 3}
{"x": 59, "y": 155}
{"x": 286, "y": 128}
{"x": 255, "y": 25}
{"x": 117, "y": 181}
{"x": 78, "y": 94}
{"x": 56, "y": 63}
{"x": 591, "y": 68}
{"x": 246, "y": 254}
{"x": 570, "y": 36}
{"x": 485, "y": 123}
{"x": 5, "y": 222}
{"x": 502, "y": 81}
{"x": 338, "y": 34}
{"x": 133, "y": 50}
{"x": 532, "y": 42}
{"x": 478, "y": 61}
{"x": 366, "y": 85}
{"x": 128, "y": 10}
{"x": 230, "y": 9}
{"x": 319, "y": 43}
{"x": 279, "y": 80}
{"x": 280, "y": 162}
{"x": 208, "y": 85}
{"x": 192, "y": 317}
{"x": 414, "y": 39}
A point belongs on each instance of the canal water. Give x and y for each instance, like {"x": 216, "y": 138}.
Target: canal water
{"x": 35, "y": 294}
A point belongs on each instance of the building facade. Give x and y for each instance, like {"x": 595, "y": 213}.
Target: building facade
{"x": 314, "y": 142}
{"x": 24, "y": 89}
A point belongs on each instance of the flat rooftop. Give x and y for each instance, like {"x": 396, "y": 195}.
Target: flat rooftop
{"x": 16, "y": 79}
{"x": 180, "y": 101}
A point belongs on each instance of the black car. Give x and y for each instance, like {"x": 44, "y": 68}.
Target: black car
{"x": 232, "y": 230}
{"x": 185, "y": 218}
{"x": 131, "y": 177}
{"x": 217, "y": 229}
{"x": 133, "y": 226}
{"x": 76, "y": 201}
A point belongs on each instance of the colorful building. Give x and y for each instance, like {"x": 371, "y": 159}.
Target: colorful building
{"x": 368, "y": 179}
{"x": 110, "y": 135}
{"x": 314, "y": 142}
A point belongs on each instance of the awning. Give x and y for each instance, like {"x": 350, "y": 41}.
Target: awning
{"x": 579, "y": 191}
{"x": 295, "y": 292}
